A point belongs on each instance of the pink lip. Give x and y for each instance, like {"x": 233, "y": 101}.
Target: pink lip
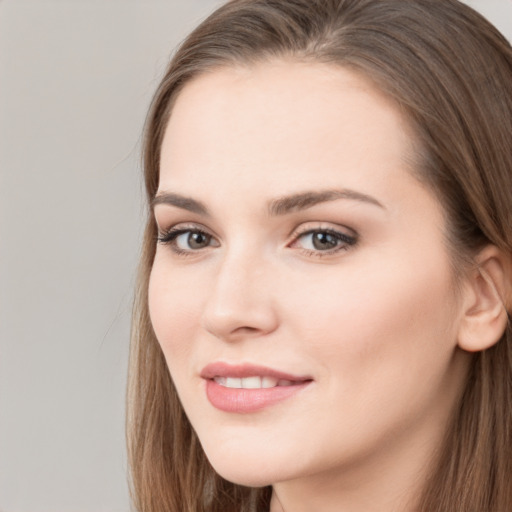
{"x": 248, "y": 400}
{"x": 220, "y": 369}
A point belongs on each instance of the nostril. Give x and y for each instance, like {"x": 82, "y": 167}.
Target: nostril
{"x": 246, "y": 329}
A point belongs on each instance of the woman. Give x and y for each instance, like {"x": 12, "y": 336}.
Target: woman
{"x": 321, "y": 319}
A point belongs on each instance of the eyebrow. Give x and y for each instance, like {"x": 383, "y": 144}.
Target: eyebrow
{"x": 276, "y": 207}
{"x": 183, "y": 202}
{"x": 305, "y": 200}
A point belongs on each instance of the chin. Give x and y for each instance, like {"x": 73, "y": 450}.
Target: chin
{"x": 245, "y": 478}
{"x": 247, "y": 469}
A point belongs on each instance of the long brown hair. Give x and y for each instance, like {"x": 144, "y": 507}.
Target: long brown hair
{"x": 450, "y": 73}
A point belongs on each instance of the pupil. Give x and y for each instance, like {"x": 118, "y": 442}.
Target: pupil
{"x": 197, "y": 240}
{"x": 324, "y": 241}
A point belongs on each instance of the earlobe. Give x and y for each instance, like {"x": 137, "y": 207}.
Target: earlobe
{"x": 486, "y": 300}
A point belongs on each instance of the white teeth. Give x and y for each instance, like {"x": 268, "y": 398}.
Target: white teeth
{"x": 233, "y": 382}
{"x": 220, "y": 380}
{"x": 268, "y": 382}
{"x": 251, "y": 382}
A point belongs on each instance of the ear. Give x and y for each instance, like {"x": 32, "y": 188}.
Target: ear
{"x": 486, "y": 296}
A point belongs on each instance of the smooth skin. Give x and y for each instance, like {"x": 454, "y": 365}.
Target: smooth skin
{"x": 355, "y": 289}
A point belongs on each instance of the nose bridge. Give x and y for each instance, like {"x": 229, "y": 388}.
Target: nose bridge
{"x": 240, "y": 300}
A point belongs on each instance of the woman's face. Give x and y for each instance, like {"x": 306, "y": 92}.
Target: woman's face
{"x": 302, "y": 291}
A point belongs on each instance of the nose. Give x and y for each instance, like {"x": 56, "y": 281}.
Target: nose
{"x": 240, "y": 304}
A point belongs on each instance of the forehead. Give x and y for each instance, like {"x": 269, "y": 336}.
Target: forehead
{"x": 301, "y": 123}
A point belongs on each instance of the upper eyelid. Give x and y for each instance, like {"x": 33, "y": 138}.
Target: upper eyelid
{"x": 312, "y": 226}
{"x": 185, "y": 226}
{"x": 299, "y": 230}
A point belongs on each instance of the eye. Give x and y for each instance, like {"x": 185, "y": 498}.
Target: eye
{"x": 326, "y": 241}
{"x": 187, "y": 240}
{"x": 193, "y": 240}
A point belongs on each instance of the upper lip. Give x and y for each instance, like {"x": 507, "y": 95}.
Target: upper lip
{"x": 221, "y": 369}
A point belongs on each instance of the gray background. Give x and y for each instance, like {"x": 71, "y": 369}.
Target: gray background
{"x": 76, "y": 77}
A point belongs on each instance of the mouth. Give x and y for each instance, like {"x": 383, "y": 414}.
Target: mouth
{"x": 248, "y": 388}
{"x": 256, "y": 382}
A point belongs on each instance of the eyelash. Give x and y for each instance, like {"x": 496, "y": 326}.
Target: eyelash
{"x": 344, "y": 241}
{"x": 169, "y": 238}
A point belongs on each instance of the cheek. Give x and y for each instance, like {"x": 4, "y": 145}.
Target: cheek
{"x": 174, "y": 307}
{"x": 385, "y": 320}
{"x": 382, "y": 345}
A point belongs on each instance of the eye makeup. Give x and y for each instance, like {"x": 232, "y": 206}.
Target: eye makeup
{"x": 310, "y": 239}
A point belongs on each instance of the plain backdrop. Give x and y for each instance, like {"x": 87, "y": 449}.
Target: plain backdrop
{"x": 76, "y": 77}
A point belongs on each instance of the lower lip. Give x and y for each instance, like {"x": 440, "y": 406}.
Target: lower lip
{"x": 248, "y": 400}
